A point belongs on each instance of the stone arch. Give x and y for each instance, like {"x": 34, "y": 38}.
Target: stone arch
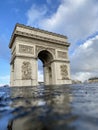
{"x": 27, "y": 44}
{"x": 46, "y": 57}
{"x": 50, "y": 50}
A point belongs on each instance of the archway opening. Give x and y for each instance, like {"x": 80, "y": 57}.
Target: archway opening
{"x": 46, "y": 58}
{"x": 40, "y": 72}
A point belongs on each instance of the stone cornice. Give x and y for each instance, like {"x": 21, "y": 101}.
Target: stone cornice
{"x": 39, "y": 30}
{"x": 55, "y": 60}
{"x": 17, "y": 32}
{"x": 22, "y": 56}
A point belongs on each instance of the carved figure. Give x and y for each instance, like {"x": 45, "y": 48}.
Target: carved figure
{"x": 64, "y": 72}
{"x": 26, "y": 70}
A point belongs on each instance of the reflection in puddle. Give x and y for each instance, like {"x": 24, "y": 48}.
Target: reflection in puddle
{"x": 66, "y": 107}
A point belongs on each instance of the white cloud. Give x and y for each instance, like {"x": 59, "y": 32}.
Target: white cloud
{"x": 82, "y": 76}
{"x": 72, "y": 18}
{"x": 84, "y": 63}
{"x": 35, "y": 14}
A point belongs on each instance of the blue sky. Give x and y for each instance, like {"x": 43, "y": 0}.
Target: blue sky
{"x": 77, "y": 19}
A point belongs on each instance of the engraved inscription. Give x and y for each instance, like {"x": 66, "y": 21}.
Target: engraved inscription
{"x": 62, "y": 54}
{"x": 26, "y": 70}
{"x": 26, "y": 49}
{"x": 64, "y": 72}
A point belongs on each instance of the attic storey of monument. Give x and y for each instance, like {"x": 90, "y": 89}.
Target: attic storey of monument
{"x": 27, "y": 44}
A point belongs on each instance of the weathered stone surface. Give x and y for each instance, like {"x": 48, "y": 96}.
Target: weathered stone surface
{"x": 27, "y": 44}
{"x": 26, "y": 49}
{"x": 26, "y": 70}
{"x": 64, "y": 72}
{"x": 62, "y": 55}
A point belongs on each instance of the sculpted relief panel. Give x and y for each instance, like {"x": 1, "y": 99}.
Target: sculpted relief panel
{"x": 64, "y": 72}
{"x": 26, "y": 49}
{"x": 62, "y": 54}
{"x": 26, "y": 71}
{"x": 40, "y": 48}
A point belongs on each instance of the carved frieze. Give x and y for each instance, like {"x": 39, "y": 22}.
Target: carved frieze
{"x": 26, "y": 49}
{"x": 52, "y": 50}
{"x": 26, "y": 70}
{"x": 41, "y": 43}
{"x": 64, "y": 72}
{"x": 40, "y": 48}
{"x": 50, "y": 38}
{"x": 62, "y": 54}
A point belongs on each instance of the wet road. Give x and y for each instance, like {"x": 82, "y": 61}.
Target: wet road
{"x": 65, "y": 107}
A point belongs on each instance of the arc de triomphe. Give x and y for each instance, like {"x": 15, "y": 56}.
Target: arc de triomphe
{"x": 29, "y": 44}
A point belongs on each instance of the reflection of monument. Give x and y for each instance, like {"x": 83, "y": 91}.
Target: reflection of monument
{"x": 27, "y": 45}
{"x": 25, "y": 97}
{"x": 60, "y": 102}
{"x": 41, "y": 111}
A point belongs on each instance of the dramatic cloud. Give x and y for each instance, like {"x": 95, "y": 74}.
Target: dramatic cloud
{"x": 84, "y": 63}
{"x": 35, "y": 14}
{"x": 72, "y": 18}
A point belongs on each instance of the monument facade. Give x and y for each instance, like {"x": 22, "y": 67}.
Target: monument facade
{"x": 29, "y": 44}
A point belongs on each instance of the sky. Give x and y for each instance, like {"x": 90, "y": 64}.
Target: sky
{"x": 77, "y": 19}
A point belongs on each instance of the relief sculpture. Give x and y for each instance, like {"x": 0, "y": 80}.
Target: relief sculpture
{"x": 64, "y": 72}
{"x": 40, "y": 48}
{"x": 26, "y": 49}
{"x": 62, "y": 54}
{"x": 26, "y": 70}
